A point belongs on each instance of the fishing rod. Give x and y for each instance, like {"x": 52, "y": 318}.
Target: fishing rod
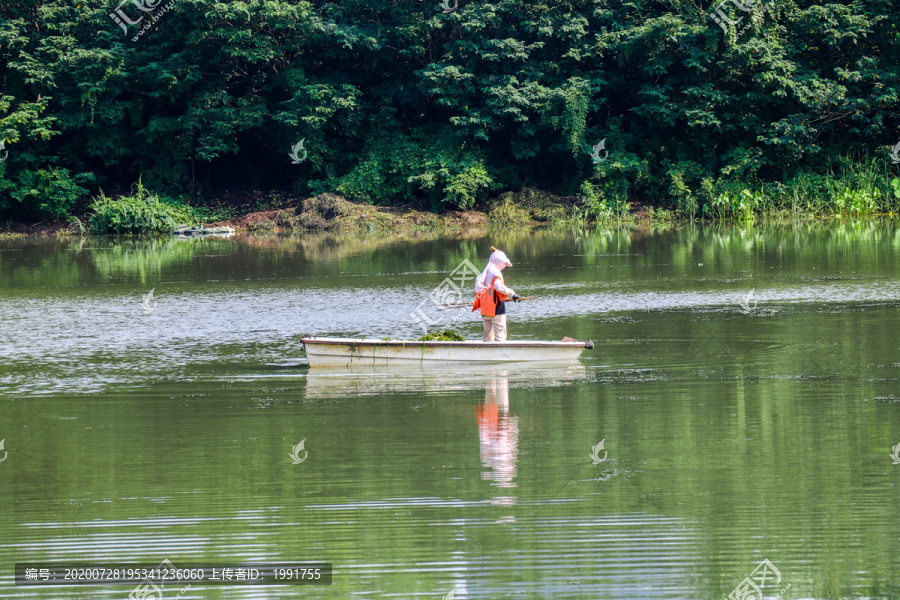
{"x": 456, "y": 305}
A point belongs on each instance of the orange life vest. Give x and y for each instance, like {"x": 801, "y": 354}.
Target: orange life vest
{"x": 487, "y": 300}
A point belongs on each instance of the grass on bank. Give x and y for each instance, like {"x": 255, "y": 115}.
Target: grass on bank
{"x": 863, "y": 193}
{"x": 141, "y": 212}
{"x": 856, "y": 189}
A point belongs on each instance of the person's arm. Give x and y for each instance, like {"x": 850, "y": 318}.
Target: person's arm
{"x": 500, "y": 287}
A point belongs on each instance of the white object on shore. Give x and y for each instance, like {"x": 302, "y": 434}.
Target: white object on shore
{"x": 197, "y": 231}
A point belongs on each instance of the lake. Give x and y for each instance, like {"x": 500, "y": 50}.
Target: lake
{"x": 731, "y": 432}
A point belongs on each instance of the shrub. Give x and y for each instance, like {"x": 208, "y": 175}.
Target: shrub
{"x": 139, "y": 213}
{"x": 416, "y": 168}
{"x": 465, "y": 185}
{"x": 45, "y": 193}
{"x": 594, "y": 208}
{"x": 855, "y": 202}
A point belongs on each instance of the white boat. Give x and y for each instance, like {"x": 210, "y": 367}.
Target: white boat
{"x": 345, "y": 352}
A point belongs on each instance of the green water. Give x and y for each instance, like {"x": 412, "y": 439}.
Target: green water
{"x": 732, "y": 433}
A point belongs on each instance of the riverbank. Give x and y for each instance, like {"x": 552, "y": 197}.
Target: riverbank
{"x": 527, "y": 208}
{"x": 334, "y": 213}
{"x": 331, "y": 212}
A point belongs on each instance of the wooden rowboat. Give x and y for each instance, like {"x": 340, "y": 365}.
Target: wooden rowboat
{"x": 344, "y": 352}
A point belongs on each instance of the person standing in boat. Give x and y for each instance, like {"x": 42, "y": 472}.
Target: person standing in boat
{"x": 490, "y": 296}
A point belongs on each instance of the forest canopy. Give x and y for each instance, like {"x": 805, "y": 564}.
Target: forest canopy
{"x": 442, "y": 103}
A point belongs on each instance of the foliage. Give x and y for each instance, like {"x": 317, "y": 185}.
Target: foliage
{"x": 594, "y": 208}
{"x": 138, "y": 213}
{"x": 214, "y": 214}
{"x": 400, "y": 171}
{"x": 444, "y": 335}
{"x": 398, "y": 103}
{"x": 857, "y": 189}
{"x": 44, "y": 193}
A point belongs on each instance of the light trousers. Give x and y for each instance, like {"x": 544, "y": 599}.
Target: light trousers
{"x": 494, "y": 328}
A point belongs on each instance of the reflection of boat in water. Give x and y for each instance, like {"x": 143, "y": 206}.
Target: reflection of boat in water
{"x": 342, "y": 352}
{"x": 405, "y": 377}
{"x": 498, "y": 434}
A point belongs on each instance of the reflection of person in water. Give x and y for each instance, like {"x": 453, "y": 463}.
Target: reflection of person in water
{"x": 498, "y": 432}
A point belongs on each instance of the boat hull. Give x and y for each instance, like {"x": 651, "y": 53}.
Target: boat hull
{"x": 344, "y": 352}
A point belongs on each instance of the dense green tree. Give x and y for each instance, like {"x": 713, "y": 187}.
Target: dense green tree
{"x": 399, "y": 101}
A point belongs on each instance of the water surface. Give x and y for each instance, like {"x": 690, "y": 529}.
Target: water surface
{"x": 736, "y": 427}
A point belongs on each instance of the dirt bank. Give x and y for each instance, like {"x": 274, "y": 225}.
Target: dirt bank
{"x": 329, "y": 212}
